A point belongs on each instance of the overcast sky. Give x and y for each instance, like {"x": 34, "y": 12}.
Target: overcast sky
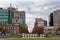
{"x": 33, "y": 8}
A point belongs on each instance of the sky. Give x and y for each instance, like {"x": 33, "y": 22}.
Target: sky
{"x": 33, "y": 8}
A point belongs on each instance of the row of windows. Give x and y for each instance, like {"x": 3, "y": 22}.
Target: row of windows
{"x": 4, "y": 22}
{"x": 3, "y": 17}
{"x": 22, "y": 16}
{"x": 10, "y": 28}
{"x": 3, "y": 14}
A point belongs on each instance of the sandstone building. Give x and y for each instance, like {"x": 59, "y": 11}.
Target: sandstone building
{"x": 39, "y": 25}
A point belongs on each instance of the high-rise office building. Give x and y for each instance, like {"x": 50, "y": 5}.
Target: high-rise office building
{"x": 6, "y": 16}
{"x": 51, "y": 19}
{"x": 3, "y": 16}
{"x": 10, "y": 15}
{"x": 22, "y": 18}
{"x": 56, "y": 18}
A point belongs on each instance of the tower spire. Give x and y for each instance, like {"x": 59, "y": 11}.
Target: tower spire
{"x": 10, "y": 5}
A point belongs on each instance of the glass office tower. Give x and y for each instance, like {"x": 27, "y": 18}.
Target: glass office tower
{"x": 10, "y": 15}
{"x": 3, "y": 16}
{"x": 22, "y": 18}
{"x": 6, "y": 16}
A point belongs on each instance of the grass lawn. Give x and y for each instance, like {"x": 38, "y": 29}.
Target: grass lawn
{"x": 30, "y": 38}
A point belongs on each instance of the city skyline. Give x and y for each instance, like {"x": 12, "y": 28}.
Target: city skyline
{"x": 32, "y": 7}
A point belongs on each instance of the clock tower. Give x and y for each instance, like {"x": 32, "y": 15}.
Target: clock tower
{"x": 16, "y": 22}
